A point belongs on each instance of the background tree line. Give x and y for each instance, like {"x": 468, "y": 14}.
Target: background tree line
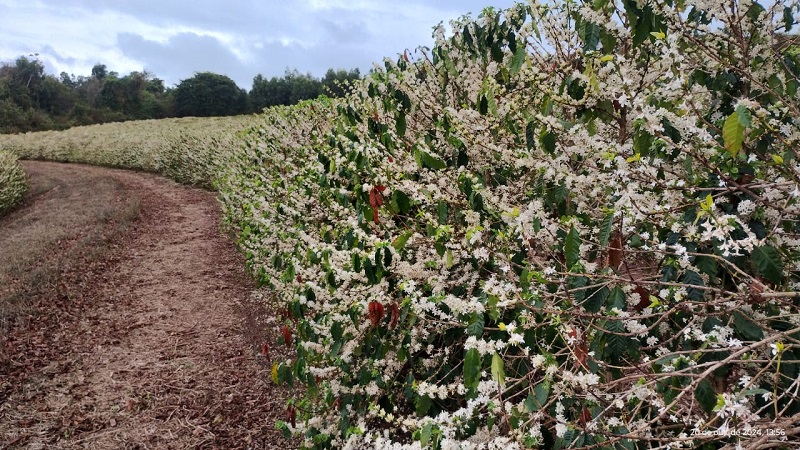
{"x": 31, "y": 100}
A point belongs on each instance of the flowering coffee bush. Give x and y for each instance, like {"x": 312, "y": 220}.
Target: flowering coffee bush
{"x": 569, "y": 224}
{"x": 187, "y": 149}
{"x": 13, "y": 182}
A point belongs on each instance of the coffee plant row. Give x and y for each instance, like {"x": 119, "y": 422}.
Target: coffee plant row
{"x": 188, "y": 150}
{"x": 13, "y": 183}
{"x": 571, "y": 224}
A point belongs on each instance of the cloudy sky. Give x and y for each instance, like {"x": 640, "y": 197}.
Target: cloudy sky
{"x": 173, "y": 39}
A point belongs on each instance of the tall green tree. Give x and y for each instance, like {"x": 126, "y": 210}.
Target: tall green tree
{"x": 209, "y": 94}
{"x": 268, "y": 92}
{"x": 302, "y": 86}
{"x": 22, "y": 97}
{"x": 294, "y": 87}
{"x": 99, "y": 71}
{"x": 55, "y": 98}
{"x": 24, "y": 80}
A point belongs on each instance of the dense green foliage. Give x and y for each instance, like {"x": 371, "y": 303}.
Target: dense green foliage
{"x": 208, "y": 94}
{"x": 13, "y": 182}
{"x": 294, "y": 87}
{"x": 31, "y": 100}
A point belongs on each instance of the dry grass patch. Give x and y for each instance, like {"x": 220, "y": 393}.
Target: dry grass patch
{"x": 138, "y": 339}
{"x": 61, "y": 223}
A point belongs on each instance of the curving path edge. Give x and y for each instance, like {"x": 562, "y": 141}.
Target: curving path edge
{"x": 161, "y": 349}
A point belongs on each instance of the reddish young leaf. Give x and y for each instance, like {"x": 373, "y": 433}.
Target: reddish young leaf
{"x": 586, "y": 417}
{"x": 375, "y": 197}
{"x": 375, "y": 312}
{"x": 756, "y": 289}
{"x": 581, "y": 352}
{"x": 265, "y": 349}
{"x": 287, "y": 335}
{"x": 291, "y": 415}
{"x": 376, "y": 200}
{"x": 615, "y": 251}
{"x": 573, "y": 333}
{"x": 394, "y": 315}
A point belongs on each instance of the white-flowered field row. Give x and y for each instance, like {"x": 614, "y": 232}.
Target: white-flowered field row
{"x": 13, "y": 183}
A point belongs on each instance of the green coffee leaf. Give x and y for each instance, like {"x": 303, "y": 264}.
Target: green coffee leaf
{"x": 475, "y": 328}
{"x": 768, "y": 262}
{"x": 745, "y": 118}
{"x": 548, "y": 141}
{"x": 498, "y": 372}
{"x": 530, "y": 134}
{"x": 733, "y": 134}
{"x": 746, "y": 327}
{"x": 472, "y": 369}
{"x": 605, "y": 229}
{"x": 572, "y": 248}
{"x": 705, "y": 395}
{"x": 425, "y": 435}
{"x": 400, "y": 124}
{"x": 517, "y": 60}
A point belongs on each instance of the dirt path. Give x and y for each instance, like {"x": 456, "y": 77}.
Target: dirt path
{"x": 134, "y": 333}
